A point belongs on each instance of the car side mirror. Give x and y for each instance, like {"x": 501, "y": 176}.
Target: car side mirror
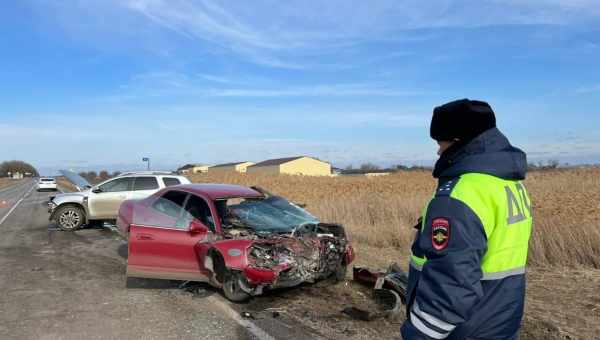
{"x": 96, "y": 190}
{"x": 301, "y": 205}
{"x": 197, "y": 227}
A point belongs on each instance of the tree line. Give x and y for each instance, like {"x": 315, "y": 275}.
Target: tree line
{"x": 15, "y": 166}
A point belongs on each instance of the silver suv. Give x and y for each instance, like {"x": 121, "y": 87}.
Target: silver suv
{"x": 96, "y": 204}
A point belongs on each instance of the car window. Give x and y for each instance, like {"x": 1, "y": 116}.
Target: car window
{"x": 198, "y": 209}
{"x": 170, "y": 181}
{"x": 171, "y": 204}
{"x": 145, "y": 183}
{"x": 116, "y": 185}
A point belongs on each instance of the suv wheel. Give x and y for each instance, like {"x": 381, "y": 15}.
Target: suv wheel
{"x": 70, "y": 218}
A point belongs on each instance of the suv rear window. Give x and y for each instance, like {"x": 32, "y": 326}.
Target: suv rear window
{"x": 145, "y": 183}
{"x": 47, "y": 179}
{"x": 170, "y": 181}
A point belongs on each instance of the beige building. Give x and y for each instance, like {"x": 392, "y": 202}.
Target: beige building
{"x": 230, "y": 167}
{"x": 301, "y": 165}
{"x": 193, "y": 169}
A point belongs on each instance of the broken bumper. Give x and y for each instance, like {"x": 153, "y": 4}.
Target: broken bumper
{"x": 258, "y": 276}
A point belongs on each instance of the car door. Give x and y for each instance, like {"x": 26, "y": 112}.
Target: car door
{"x": 105, "y": 199}
{"x": 160, "y": 243}
{"x": 143, "y": 187}
{"x": 200, "y": 209}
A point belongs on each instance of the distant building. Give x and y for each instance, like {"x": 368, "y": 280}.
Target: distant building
{"x": 301, "y": 165}
{"x": 16, "y": 175}
{"x": 193, "y": 169}
{"x": 376, "y": 174}
{"x": 230, "y": 167}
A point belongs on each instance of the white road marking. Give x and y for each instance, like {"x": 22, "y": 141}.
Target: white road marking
{"x": 15, "y": 205}
{"x": 258, "y": 332}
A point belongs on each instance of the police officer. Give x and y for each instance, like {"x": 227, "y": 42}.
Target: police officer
{"x": 467, "y": 269}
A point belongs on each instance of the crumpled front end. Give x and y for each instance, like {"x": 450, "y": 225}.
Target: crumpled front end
{"x": 310, "y": 253}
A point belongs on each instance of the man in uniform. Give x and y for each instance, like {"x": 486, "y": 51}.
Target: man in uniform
{"x": 467, "y": 269}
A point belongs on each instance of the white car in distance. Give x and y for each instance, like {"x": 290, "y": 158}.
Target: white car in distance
{"x": 46, "y": 183}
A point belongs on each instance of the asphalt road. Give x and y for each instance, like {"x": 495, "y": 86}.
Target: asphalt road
{"x": 71, "y": 285}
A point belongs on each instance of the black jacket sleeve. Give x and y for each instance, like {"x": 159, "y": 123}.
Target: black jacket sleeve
{"x": 449, "y": 284}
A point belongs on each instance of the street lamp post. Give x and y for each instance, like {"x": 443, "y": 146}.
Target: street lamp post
{"x": 147, "y": 160}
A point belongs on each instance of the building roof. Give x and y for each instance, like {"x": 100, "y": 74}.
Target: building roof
{"x": 228, "y": 164}
{"x": 189, "y": 166}
{"x": 279, "y": 161}
{"x": 185, "y": 167}
{"x": 218, "y": 191}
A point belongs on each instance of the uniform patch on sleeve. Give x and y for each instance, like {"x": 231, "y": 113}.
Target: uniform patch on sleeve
{"x": 440, "y": 233}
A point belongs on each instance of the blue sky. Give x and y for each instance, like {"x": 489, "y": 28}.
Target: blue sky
{"x": 90, "y": 84}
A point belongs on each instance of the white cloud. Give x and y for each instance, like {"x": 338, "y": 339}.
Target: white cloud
{"x": 167, "y": 84}
{"x": 588, "y": 89}
{"x": 286, "y": 34}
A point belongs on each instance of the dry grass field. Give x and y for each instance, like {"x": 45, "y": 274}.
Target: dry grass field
{"x": 564, "y": 257}
{"x": 380, "y": 212}
{"x": 5, "y": 182}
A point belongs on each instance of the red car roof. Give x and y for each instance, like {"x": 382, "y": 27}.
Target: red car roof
{"x": 216, "y": 191}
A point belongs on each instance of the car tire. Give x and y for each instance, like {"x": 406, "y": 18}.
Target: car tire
{"x": 70, "y": 218}
{"x": 231, "y": 288}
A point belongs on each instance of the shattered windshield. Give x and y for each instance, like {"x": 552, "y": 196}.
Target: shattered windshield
{"x": 270, "y": 214}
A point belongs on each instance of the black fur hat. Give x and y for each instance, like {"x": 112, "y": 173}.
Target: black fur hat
{"x": 461, "y": 119}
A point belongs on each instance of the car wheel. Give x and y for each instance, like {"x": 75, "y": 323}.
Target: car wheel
{"x": 70, "y": 218}
{"x": 231, "y": 288}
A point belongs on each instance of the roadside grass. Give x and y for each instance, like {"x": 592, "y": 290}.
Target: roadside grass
{"x": 380, "y": 212}
{"x": 6, "y": 182}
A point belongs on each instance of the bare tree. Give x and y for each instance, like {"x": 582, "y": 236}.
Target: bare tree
{"x": 103, "y": 175}
{"x": 17, "y": 166}
{"x": 369, "y": 167}
{"x": 553, "y": 164}
{"x": 91, "y": 176}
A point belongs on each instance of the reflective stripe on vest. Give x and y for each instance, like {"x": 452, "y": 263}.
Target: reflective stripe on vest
{"x": 504, "y": 274}
{"x": 417, "y": 262}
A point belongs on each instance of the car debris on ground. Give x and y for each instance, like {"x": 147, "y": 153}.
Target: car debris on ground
{"x": 389, "y": 291}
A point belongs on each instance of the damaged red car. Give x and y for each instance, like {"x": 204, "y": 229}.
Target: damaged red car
{"x": 243, "y": 240}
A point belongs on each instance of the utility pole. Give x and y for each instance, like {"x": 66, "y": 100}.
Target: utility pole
{"x": 147, "y": 160}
